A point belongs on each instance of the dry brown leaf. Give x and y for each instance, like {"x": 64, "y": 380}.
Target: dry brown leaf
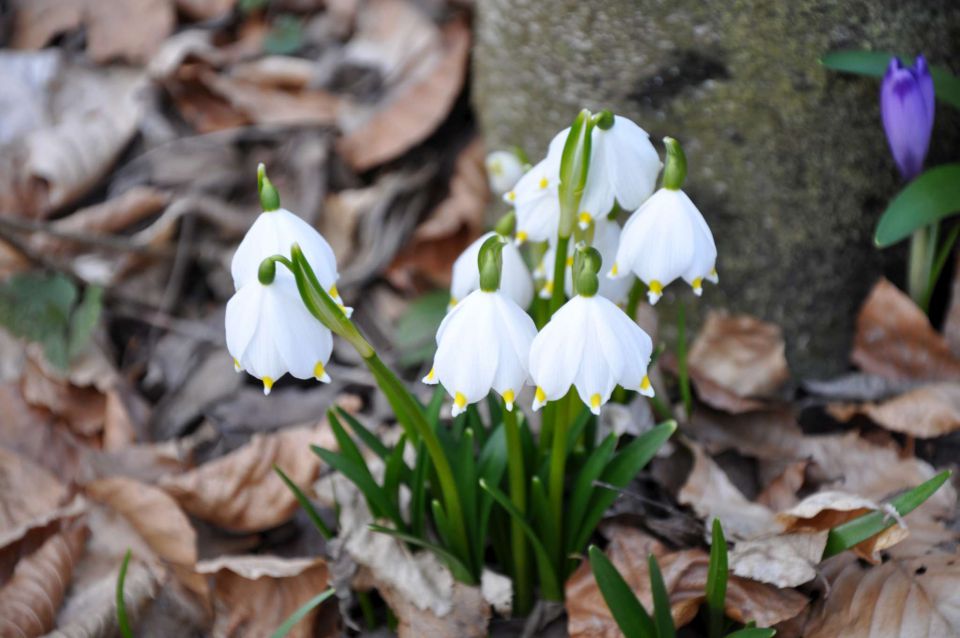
{"x": 240, "y": 491}
{"x": 205, "y": 9}
{"x": 895, "y": 340}
{"x": 899, "y": 599}
{"x": 416, "y": 110}
{"x": 786, "y": 560}
{"x": 30, "y": 599}
{"x": 132, "y": 30}
{"x": 685, "y": 575}
{"x": 82, "y": 408}
{"x": 741, "y": 354}
{"x": 253, "y": 595}
{"x": 712, "y": 495}
{"x": 780, "y": 493}
{"x": 262, "y": 104}
{"x": 450, "y": 227}
{"x": 29, "y": 495}
{"x": 926, "y": 412}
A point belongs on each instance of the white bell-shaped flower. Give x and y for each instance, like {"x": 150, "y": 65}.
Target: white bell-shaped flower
{"x": 504, "y": 170}
{"x": 623, "y": 168}
{"x": 483, "y": 344}
{"x": 536, "y": 197}
{"x": 590, "y": 344}
{"x": 273, "y": 233}
{"x": 516, "y": 282}
{"x": 606, "y": 239}
{"x": 667, "y": 238}
{"x": 270, "y": 333}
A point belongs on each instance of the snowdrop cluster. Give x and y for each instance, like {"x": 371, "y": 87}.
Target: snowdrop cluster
{"x": 488, "y": 343}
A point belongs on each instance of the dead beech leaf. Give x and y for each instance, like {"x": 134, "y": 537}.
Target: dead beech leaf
{"x": 899, "y": 599}
{"x": 711, "y": 494}
{"x": 416, "y": 110}
{"x": 30, "y": 599}
{"x": 205, "y": 9}
{"x": 450, "y": 227}
{"x": 685, "y": 576}
{"x": 926, "y": 412}
{"x": 240, "y": 491}
{"x": 741, "y": 354}
{"x": 894, "y": 339}
{"x": 786, "y": 560}
{"x": 28, "y": 496}
{"x": 132, "y": 30}
{"x": 253, "y": 595}
{"x": 82, "y": 408}
{"x": 781, "y": 492}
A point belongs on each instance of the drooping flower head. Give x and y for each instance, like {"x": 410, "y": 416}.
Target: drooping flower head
{"x": 273, "y": 233}
{"x": 504, "y": 170}
{"x": 484, "y": 341}
{"x": 590, "y": 344}
{"x": 667, "y": 238}
{"x": 606, "y": 239}
{"x": 907, "y": 108}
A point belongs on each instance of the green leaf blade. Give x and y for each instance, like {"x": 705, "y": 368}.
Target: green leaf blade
{"x": 305, "y": 503}
{"x": 301, "y": 613}
{"x": 717, "y": 575}
{"x": 123, "y": 622}
{"x": 631, "y": 617}
{"x": 662, "y": 617}
{"x": 931, "y": 197}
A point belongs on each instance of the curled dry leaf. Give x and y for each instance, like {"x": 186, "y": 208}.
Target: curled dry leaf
{"x": 82, "y": 407}
{"x": 132, "y": 30}
{"x": 416, "y": 107}
{"x": 30, "y": 599}
{"x": 894, "y": 339}
{"x": 450, "y": 227}
{"x": 925, "y": 412}
{"x": 253, "y": 595}
{"x": 899, "y": 599}
{"x": 685, "y": 576}
{"x": 29, "y": 497}
{"x": 740, "y": 354}
{"x": 786, "y": 560}
{"x": 781, "y": 491}
{"x": 240, "y": 491}
{"x": 712, "y": 495}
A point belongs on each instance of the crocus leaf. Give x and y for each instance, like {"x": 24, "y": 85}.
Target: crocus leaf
{"x": 874, "y": 63}
{"x": 717, "y": 574}
{"x": 301, "y": 613}
{"x": 853, "y": 532}
{"x": 631, "y": 617}
{"x": 929, "y": 198}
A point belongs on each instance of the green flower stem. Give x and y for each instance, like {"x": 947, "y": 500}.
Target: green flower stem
{"x": 923, "y": 247}
{"x": 522, "y": 584}
{"x": 685, "y": 393}
{"x": 557, "y": 474}
{"x": 408, "y": 411}
{"x": 943, "y": 253}
{"x": 559, "y": 274}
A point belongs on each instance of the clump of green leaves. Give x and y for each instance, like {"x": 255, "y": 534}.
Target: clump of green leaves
{"x": 49, "y": 309}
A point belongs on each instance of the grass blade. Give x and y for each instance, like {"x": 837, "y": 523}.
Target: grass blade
{"x": 631, "y": 617}
{"x": 301, "y": 613}
{"x": 717, "y": 574}
{"x": 122, "y": 621}
{"x": 305, "y": 503}
{"x": 851, "y": 533}
{"x": 662, "y": 617}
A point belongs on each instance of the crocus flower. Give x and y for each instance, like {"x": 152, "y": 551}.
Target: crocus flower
{"x": 504, "y": 170}
{"x": 606, "y": 239}
{"x": 907, "y": 107}
{"x": 273, "y": 233}
{"x": 270, "y": 332}
{"x": 667, "y": 238}
{"x": 483, "y": 345}
{"x": 590, "y": 344}
{"x": 623, "y": 168}
{"x": 516, "y": 282}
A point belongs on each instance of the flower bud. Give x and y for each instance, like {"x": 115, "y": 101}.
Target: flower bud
{"x": 269, "y": 197}
{"x": 907, "y": 108}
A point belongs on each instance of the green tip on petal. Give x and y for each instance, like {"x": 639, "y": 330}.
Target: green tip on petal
{"x": 675, "y": 170}
{"x": 604, "y": 119}
{"x": 506, "y": 224}
{"x": 267, "y": 271}
{"x": 269, "y": 197}
{"x": 587, "y": 265}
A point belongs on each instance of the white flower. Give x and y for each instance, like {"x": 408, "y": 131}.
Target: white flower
{"x": 606, "y": 238}
{"x": 590, "y": 344}
{"x": 515, "y": 282}
{"x": 504, "y": 170}
{"x": 665, "y": 239}
{"x": 270, "y": 332}
{"x": 483, "y": 344}
{"x": 537, "y": 200}
{"x": 273, "y": 233}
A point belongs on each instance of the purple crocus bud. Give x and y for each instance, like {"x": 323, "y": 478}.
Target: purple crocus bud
{"x": 907, "y": 105}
